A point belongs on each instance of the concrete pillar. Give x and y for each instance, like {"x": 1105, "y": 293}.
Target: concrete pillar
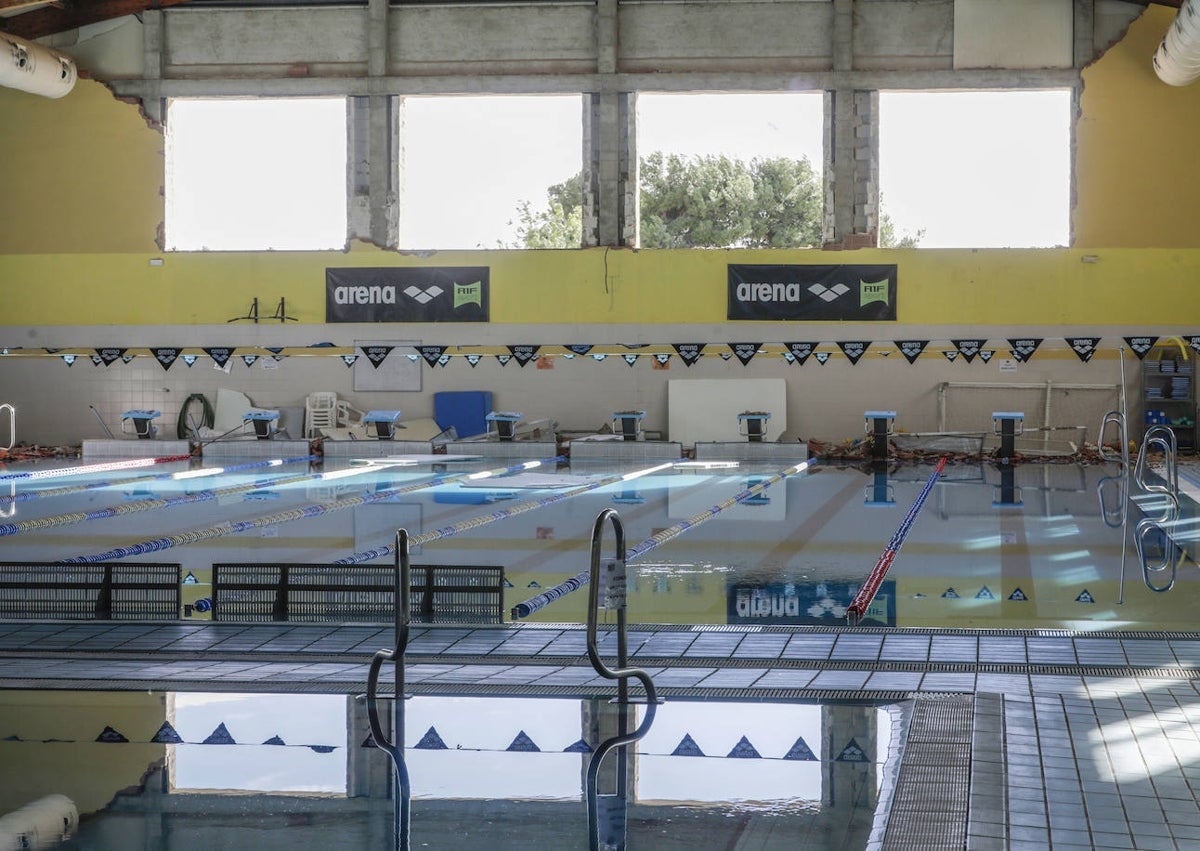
{"x": 851, "y": 172}
{"x": 610, "y": 198}
{"x": 848, "y": 793}
{"x": 372, "y": 161}
{"x": 152, "y": 64}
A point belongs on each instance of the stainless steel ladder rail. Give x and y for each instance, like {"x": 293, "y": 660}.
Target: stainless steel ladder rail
{"x": 394, "y": 748}
{"x": 1171, "y": 551}
{"x": 12, "y": 425}
{"x": 1164, "y": 438}
{"x": 615, "y": 585}
{"x": 1118, "y": 419}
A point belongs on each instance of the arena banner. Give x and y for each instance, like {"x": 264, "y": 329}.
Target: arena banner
{"x": 427, "y": 294}
{"x": 839, "y": 293}
{"x": 805, "y": 603}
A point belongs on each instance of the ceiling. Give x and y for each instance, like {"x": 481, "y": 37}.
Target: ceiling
{"x": 33, "y": 19}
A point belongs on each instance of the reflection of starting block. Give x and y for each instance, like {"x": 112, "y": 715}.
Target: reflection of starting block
{"x": 628, "y": 424}
{"x": 879, "y": 426}
{"x": 263, "y": 422}
{"x": 505, "y": 423}
{"x": 141, "y": 423}
{"x": 381, "y": 424}
{"x": 753, "y": 424}
{"x": 759, "y": 498}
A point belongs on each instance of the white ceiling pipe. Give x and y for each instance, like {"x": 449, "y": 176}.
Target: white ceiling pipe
{"x": 1177, "y": 60}
{"x": 35, "y": 69}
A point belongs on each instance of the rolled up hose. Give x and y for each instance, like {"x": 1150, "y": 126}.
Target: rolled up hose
{"x": 183, "y": 427}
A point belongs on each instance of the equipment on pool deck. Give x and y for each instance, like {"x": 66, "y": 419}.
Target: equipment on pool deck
{"x": 753, "y": 424}
{"x": 628, "y": 424}
{"x": 879, "y": 425}
{"x": 505, "y": 423}
{"x": 1008, "y": 424}
{"x": 381, "y": 424}
{"x": 263, "y": 423}
{"x": 141, "y": 422}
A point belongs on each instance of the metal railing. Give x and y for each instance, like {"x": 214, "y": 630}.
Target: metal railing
{"x": 12, "y": 425}
{"x": 1118, "y": 419}
{"x": 1163, "y": 438}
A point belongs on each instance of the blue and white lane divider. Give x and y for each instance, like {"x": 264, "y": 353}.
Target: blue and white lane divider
{"x": 233, "y": 527}
{"x": 198, "y": 473}
{"x": 61, "y": 472}
{"x": 502, "y": 514}
{"x": 540, "y": 601}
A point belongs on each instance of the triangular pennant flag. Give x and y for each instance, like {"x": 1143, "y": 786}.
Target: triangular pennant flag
{"x": 635, "y": 345}
{"x": 1084, "y": 347}
{"x": 504, "y": 359}
{"x": 789, "y": 357}
{"x": 275, "y": 741}
{"x": 1018, "y": 596}
{"x": 801, "y": 751}
{"x": 443, "y": 360}
{"x": 689, "y": 353}
{"x": 249, "y": 360}
{"x": 369, "y": 742}
{"x": 852, "y": 753}
{"x": 524, "y": 354}
{"x": 821, "y": 357}
{"x": 1141, "y": 346}
{"x": 474, "y": 360}
{"x": 1085, "y": 596}
{"x": 166, "y": 735}
{"x": 349, "y": 360}
{"x": 50, "y": 351}
{"x": 110, "y": 356}
{"x": 662, "y": 357}
{"x": 968, "y": 348}
{"x": 189, "y": 359}
{"x": 687, "y": 747}
{"x": 744, "y": 750}
{"x": 744, "y": 351}
{"x": 507, "y": 583}
{"x": 377, "y": 354}
{"x": 951, "y": 354}
{"x": 219, "y": 354}
{"x": 986, "y": 355}
{"x": 414, "y": 357}
{"x": 578, "y": 747}
{"x": 534, "y": 584}
{"x": 630, "y": 359}
{"x": 431, "y": 741}
{"x": 949, "y": 594}
{"x": 598, "y": 358}
{"x": 578, "y": 348}
{"x": 275, "y": 350}
{"x": 109, "y": 736}
{"x": 1022, "y": 348}
{"x": 911, "y": 349}
{"x": 97, "y": 360}
{"x": 854, "y": 349}
{"x": 985, "y": 594}
{"x": 127, "y": 358}
{"x": 69, "y": 360}
{"x": 219, "y": 736}
{"x": 431, "y": 353}
{"x": 1194, "y": 342}
{"x": 322, "y": 748}
{"x": 523, "y": 743}
{"x": 165, "y": 356}
{"x": 190, "y": 579}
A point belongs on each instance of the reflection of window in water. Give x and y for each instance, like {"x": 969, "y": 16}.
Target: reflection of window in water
{"x": 299, "y": 721}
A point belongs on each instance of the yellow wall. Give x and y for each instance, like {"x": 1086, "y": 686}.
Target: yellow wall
{"x": 1137, "y": 183}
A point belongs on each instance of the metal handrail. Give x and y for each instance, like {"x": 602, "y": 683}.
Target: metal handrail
{"x": 1169, "y": 550}
{"x": 1118, "y": 419}
{"x": 394, "y": 748}
{"x": 622, "y": 673}
{"x": 12, "y": 426}
{"x": 1164, "y": 438}
{"x": 1115, "y": 511}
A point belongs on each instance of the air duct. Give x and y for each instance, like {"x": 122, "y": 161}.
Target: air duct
{"x": 35, "y": 69}
{"x": 1177, "y": 60}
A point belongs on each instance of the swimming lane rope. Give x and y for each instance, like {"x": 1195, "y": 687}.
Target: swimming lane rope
{"x": 233, "y": 527}
{"x": 187, "y": 474}
{"x": 485, "y": 519}
{"x": 60, "y": 472}
{"x": 862, "y": 600}
{"x": 528, "y": 607}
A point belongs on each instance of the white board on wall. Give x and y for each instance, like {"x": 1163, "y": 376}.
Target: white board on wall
{"x": 396, "y": 372}
{"x": 707, "y": 409}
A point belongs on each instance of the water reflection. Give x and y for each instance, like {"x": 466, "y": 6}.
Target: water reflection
{"x": 500, "y": 772}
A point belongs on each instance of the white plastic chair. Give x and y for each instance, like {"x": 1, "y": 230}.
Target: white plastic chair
{"x": 320, "y": 412}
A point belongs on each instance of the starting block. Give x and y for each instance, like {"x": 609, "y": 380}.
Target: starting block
{"x": 263, "y": 422}
{"x": 753, "y": 425}
{"x": 879, "y": 425}
{"x": 628, "y": 424}
{"x": 1009, "y": 425}
{"x": 505, "y": 423}
{"x": 141, "y": 422}
{"x": 381, "y": 424}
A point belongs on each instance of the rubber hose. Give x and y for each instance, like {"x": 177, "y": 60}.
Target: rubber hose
{"x": 183, "y": 427}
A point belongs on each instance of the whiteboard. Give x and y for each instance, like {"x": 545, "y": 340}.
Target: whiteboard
{"x": 397, "y": 372}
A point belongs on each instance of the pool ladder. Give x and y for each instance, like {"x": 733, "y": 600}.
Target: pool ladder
{"x": 12, "y": 425}
{"x": 1162, "y": 438}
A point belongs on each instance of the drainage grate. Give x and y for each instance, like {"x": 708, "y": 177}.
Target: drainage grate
{"x": 929, "y": 806}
